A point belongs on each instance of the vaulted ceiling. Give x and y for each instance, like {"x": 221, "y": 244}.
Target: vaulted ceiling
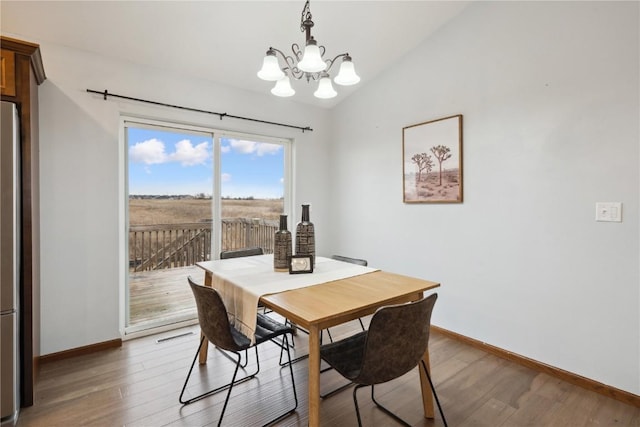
{"x": 225, "y": 41}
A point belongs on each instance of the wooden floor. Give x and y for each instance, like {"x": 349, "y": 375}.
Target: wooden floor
{"x": 162, "y": 294}
{"x": 139, "y": 383}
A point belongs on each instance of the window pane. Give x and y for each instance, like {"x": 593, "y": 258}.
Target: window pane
{"x": 252, "y": 190}
{"x": 166, "y": 166}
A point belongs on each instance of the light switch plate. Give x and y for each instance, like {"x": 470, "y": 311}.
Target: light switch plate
{"x": 609, "y": 211}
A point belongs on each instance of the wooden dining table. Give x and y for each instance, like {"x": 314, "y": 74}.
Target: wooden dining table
{"x": 323, "y": 305}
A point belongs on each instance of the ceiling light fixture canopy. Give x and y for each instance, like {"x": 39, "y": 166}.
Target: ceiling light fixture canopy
{"x": 308, "y": 63}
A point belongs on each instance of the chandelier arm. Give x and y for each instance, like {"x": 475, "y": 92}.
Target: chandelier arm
{"x": 297, "y": 52}
{"x": 330, "y": 62}
{"x": 313, "y": 76}
{"x": 297, "y": 74}
{"x": 288, "y": 60}
{"x": 322, "y": 49}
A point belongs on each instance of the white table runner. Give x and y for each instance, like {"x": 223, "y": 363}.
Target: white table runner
{"x": 242, "y": 281}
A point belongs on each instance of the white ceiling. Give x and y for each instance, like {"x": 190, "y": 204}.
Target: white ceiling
{"x": 225, "y": 41}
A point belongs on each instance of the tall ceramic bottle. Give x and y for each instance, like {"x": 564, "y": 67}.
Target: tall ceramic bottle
{"x": 305, "y": 235}
{"x": 282, "y": 246}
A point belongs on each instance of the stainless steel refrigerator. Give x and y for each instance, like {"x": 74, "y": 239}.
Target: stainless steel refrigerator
{"x": 9, "y": 263}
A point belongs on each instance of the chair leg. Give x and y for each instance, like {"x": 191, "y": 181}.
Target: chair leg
{"x": 361, "y": 324}
{"x": 391, "y": 414}
{"x": 285, "y": 345}
{"x": 217, "y": 389}
{"x": 355, "y": 402}
{"x": 226, "y": 399}
{"x": 335, "y": 390}
{"x": 433, "y": 389}
{"x": 233, "y": 382}
{"x": 293, "y": 384}
{"x": 299, "y": 358}
{"x": 190, "y": 370}
{"x": 386, "y": 411}
{"x": 246, "y": 356}
{"x": 329, "y": 333}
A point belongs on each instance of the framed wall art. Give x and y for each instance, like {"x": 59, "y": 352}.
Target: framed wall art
{"x": 432, "y": 161}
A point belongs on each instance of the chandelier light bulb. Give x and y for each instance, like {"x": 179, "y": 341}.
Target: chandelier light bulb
{"x": 311, "y": 59}
{"x": 270, "y": 70}
{"x": 325, "y": 88}
{"x": 347, "y": 75}
{"x": 283, "y": 88}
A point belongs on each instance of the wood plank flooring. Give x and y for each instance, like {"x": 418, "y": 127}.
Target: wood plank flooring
{"x": 162, "y": 294}
{"x": 139, "y": 383}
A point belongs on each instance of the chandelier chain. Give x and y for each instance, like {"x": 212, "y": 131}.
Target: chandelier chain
{"x": 306, "y": 16}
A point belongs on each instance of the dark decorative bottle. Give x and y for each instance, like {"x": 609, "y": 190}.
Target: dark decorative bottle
{"x": 282, "y": 246}
{"x": 305, "y": 236}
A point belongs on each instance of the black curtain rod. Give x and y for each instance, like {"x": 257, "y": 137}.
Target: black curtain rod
{"x": 105, "y": 94}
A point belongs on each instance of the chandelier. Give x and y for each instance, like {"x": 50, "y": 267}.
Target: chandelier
{"x": 309, "y": 64}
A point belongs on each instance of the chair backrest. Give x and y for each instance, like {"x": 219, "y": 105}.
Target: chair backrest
{"x": 397, "y": 339}
{"x": 237, "y": 253}
{"x": 213, "y": 319}
{"x": 349, "y": 259}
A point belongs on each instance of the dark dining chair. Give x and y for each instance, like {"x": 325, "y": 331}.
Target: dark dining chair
{"x": 216, "y": 328}
{"x": 394, "y": 344}
{"x": 362, "y": 262}
{"x": 237, "y": 253}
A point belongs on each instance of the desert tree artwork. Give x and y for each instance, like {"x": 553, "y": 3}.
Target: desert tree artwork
{"x": 424, "y": 163}
{"x": 442, "y": 153}
{"x": 425, "y": 144}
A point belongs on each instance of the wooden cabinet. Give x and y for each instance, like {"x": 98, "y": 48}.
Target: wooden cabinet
{"x": 21, "y": 72}
{"x": 8, "y": 73}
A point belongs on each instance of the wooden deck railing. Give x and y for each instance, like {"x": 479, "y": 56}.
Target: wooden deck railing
{"x": 154, "y": 247}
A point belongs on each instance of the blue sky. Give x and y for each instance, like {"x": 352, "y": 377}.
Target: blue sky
{"x": 164, "y": 163}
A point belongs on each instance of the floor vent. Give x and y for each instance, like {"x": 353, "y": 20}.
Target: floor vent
{"x": 161, "y": 340}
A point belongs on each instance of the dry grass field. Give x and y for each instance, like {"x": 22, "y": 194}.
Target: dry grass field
{"x": 187, "y": 210}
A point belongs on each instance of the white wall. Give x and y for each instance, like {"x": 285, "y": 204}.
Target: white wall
{"x": 80, "y": 190}
{"x": 550, "y": 97}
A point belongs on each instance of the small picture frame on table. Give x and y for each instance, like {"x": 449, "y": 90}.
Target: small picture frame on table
{"x": 299, "y": 264}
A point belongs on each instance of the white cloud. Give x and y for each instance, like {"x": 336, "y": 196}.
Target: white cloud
{"x": 225, "y": 177}
{"x": 250, "y": 147}
{"x": 225, "y": 149}
{"x": 188, "y": 155}
{"x": 152, "y": 152}
{"x": 268, "y": 148}
{"x": 243, "y": 146}
{"x": 148, "y": 152}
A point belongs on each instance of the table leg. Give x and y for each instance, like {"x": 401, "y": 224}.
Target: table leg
{"x": 204, "y": 350}
{"x": 427, "y": 395}
{"x": 314, "y": 376}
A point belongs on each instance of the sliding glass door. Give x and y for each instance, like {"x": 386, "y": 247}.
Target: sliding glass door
{"x": 190, "y": 193}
